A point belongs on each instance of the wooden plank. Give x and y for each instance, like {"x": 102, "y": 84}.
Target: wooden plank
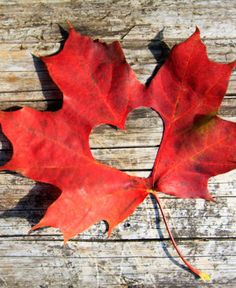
{"x": 122, "y": 19}
{"x": 187, "y": 218}
{"x": 201, "y": 221}
{"x": 18, "y": 69}
{"x": 19, "y": 56}
{"x": 15, "y": 82}
{"x": 25, "y": 263}
{"x": 23, "y": 81}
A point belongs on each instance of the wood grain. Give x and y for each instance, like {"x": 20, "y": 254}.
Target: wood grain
{"x": 136, "y": 254}
{"x": 113, "y": 263}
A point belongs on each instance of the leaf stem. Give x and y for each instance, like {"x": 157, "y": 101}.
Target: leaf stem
{"x": 200, "y": 274}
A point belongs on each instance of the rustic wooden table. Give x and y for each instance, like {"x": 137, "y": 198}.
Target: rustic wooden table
{"x": 139, "y": 253}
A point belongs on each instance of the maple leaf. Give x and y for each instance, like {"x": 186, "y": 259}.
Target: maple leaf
{"x": 99, "y": 87}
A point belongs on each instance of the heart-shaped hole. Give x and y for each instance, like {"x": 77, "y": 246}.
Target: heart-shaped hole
{"x": 132, "y": 150}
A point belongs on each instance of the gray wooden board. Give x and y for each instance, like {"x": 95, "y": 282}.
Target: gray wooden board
{"x": 139, "y": 253}
{"x": 47, "y": 263}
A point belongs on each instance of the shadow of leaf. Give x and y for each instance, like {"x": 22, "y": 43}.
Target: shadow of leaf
{"x": 160, "y": 51}
{"x": 164, "y": 246}
{"x": 32, "y": 207}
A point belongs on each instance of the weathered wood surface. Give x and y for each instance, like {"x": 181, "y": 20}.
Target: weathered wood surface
{"x": 113, "y": 264}
{"x": 139, "y": 253}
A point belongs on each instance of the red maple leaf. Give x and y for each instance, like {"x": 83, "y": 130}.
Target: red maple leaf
{"x": 99, "y": 87}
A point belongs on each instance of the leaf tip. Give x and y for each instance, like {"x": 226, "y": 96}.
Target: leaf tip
{"x": 109, "y": 229}
{"x": 67, "y": 235}
{"x": 197, "y": 31}
{"x": 37, "y": 226}
{"x": 35, "y": 54}
{"x": 65, "y": 239}
{"x": 196, "y": 34}
{"x": 209, "y": 197}
{"x": 69, "y": 24}
{"x": 204, "y": 276}
{"x": 109, "y": 233}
